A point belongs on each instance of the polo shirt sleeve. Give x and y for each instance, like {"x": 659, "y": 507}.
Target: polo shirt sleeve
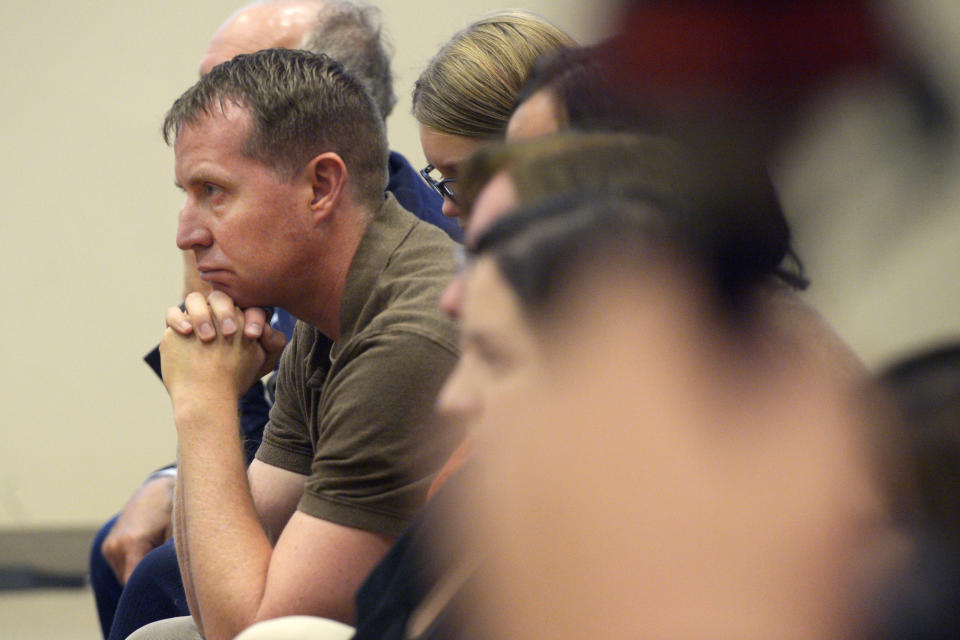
{"x": 379, "y": 439}
{"x": 286, "y": 440}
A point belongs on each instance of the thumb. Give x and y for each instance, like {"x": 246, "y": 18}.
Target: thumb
{"x": 272, "y": 342}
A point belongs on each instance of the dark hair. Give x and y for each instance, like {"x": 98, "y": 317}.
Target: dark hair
{"x": 577, "y": 80}
{"x": 581, "y": 83}
{"x": 925, "y": 389}
{"x": 539, "y": 248}
{"x": 920, "y": 601}
{"x": 744, "y": 244}
{"x": 747, "y": 222}
{"x": 301, "y": 104}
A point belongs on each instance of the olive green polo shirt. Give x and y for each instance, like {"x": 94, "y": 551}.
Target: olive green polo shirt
{"x": 357, "y": 417}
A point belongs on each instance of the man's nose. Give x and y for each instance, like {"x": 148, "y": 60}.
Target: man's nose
{"x": 192, "y": 233}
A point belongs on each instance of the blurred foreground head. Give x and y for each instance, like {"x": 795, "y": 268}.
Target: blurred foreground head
{"x": 640, "y": 166}
{"x": 922, "y": 400}
{"x": 724, "y": 78}
{"x": 673, "y": 469}
{"x": 578, "y": 167}
{"x": 925, "y": 393}
{"x": 730, "y": 73}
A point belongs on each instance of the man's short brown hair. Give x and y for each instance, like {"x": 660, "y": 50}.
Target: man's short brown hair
{"x": 302, "y": 104}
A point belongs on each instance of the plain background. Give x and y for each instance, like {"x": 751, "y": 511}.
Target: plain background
{"x": 89, "y": 217}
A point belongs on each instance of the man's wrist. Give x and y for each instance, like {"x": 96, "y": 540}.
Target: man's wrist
{"x": 203, "y": 411}
{"x": 203, "y": 398}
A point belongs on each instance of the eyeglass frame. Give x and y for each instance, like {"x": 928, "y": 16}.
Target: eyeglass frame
{"x": 440, "y": 186}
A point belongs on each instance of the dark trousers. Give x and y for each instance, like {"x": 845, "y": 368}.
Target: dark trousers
{"x": 154, "y": 591}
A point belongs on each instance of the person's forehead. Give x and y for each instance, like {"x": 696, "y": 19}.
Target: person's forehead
{"x": 489, "y": 305}
{"x": 225, "y": 127}
{"x": 535, "y": 117}
{"x": 446, "y": 151}
{"x": 240, "y": 35}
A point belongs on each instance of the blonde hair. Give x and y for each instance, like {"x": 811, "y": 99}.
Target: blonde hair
{"x": 469, "y": 87}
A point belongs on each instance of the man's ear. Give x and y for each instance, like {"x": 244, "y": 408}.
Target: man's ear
{"x": 328, "y": 175}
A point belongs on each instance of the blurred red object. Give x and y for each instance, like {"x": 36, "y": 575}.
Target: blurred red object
{"x": 771, "y": 47}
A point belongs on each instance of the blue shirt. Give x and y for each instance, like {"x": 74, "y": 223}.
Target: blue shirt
{"x": 419, "y": 198}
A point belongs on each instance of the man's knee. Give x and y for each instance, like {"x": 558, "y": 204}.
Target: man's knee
{"x": 298, "y": 628}
{"x": 106, "y": 587}
{"x": 98, "y": 563}
{"x": 182, "y": 628}
{"x": 158, "y": 566}
{"x": 154, "y": 592}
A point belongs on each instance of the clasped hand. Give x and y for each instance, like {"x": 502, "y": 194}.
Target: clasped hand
{"x": 214, "y": 346}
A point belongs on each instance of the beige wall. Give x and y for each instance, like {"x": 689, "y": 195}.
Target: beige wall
{"x": 88, "y": 222}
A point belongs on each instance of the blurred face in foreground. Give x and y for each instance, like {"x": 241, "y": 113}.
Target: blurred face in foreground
{"x": 659, "y": 479}
{"x": 498, "y": 357}
{"x": 494, "y": 201}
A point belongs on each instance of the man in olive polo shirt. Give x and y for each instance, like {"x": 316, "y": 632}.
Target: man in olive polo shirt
{"x": 282, "y": 158}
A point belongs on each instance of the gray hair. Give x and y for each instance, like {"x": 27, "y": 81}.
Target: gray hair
{"x": 351, "y": 33}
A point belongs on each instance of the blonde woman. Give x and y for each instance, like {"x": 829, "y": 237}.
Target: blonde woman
{"x": 465, "y": 94}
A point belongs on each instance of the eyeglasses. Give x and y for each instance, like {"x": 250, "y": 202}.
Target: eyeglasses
{"x": 440, "y": 186}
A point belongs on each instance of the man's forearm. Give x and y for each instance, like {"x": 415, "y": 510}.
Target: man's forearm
{"x": 183, "y": 558}
{"x": 225, "y": 551}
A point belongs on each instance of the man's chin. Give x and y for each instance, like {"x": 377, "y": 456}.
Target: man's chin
{"x": 240, "y": 298}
